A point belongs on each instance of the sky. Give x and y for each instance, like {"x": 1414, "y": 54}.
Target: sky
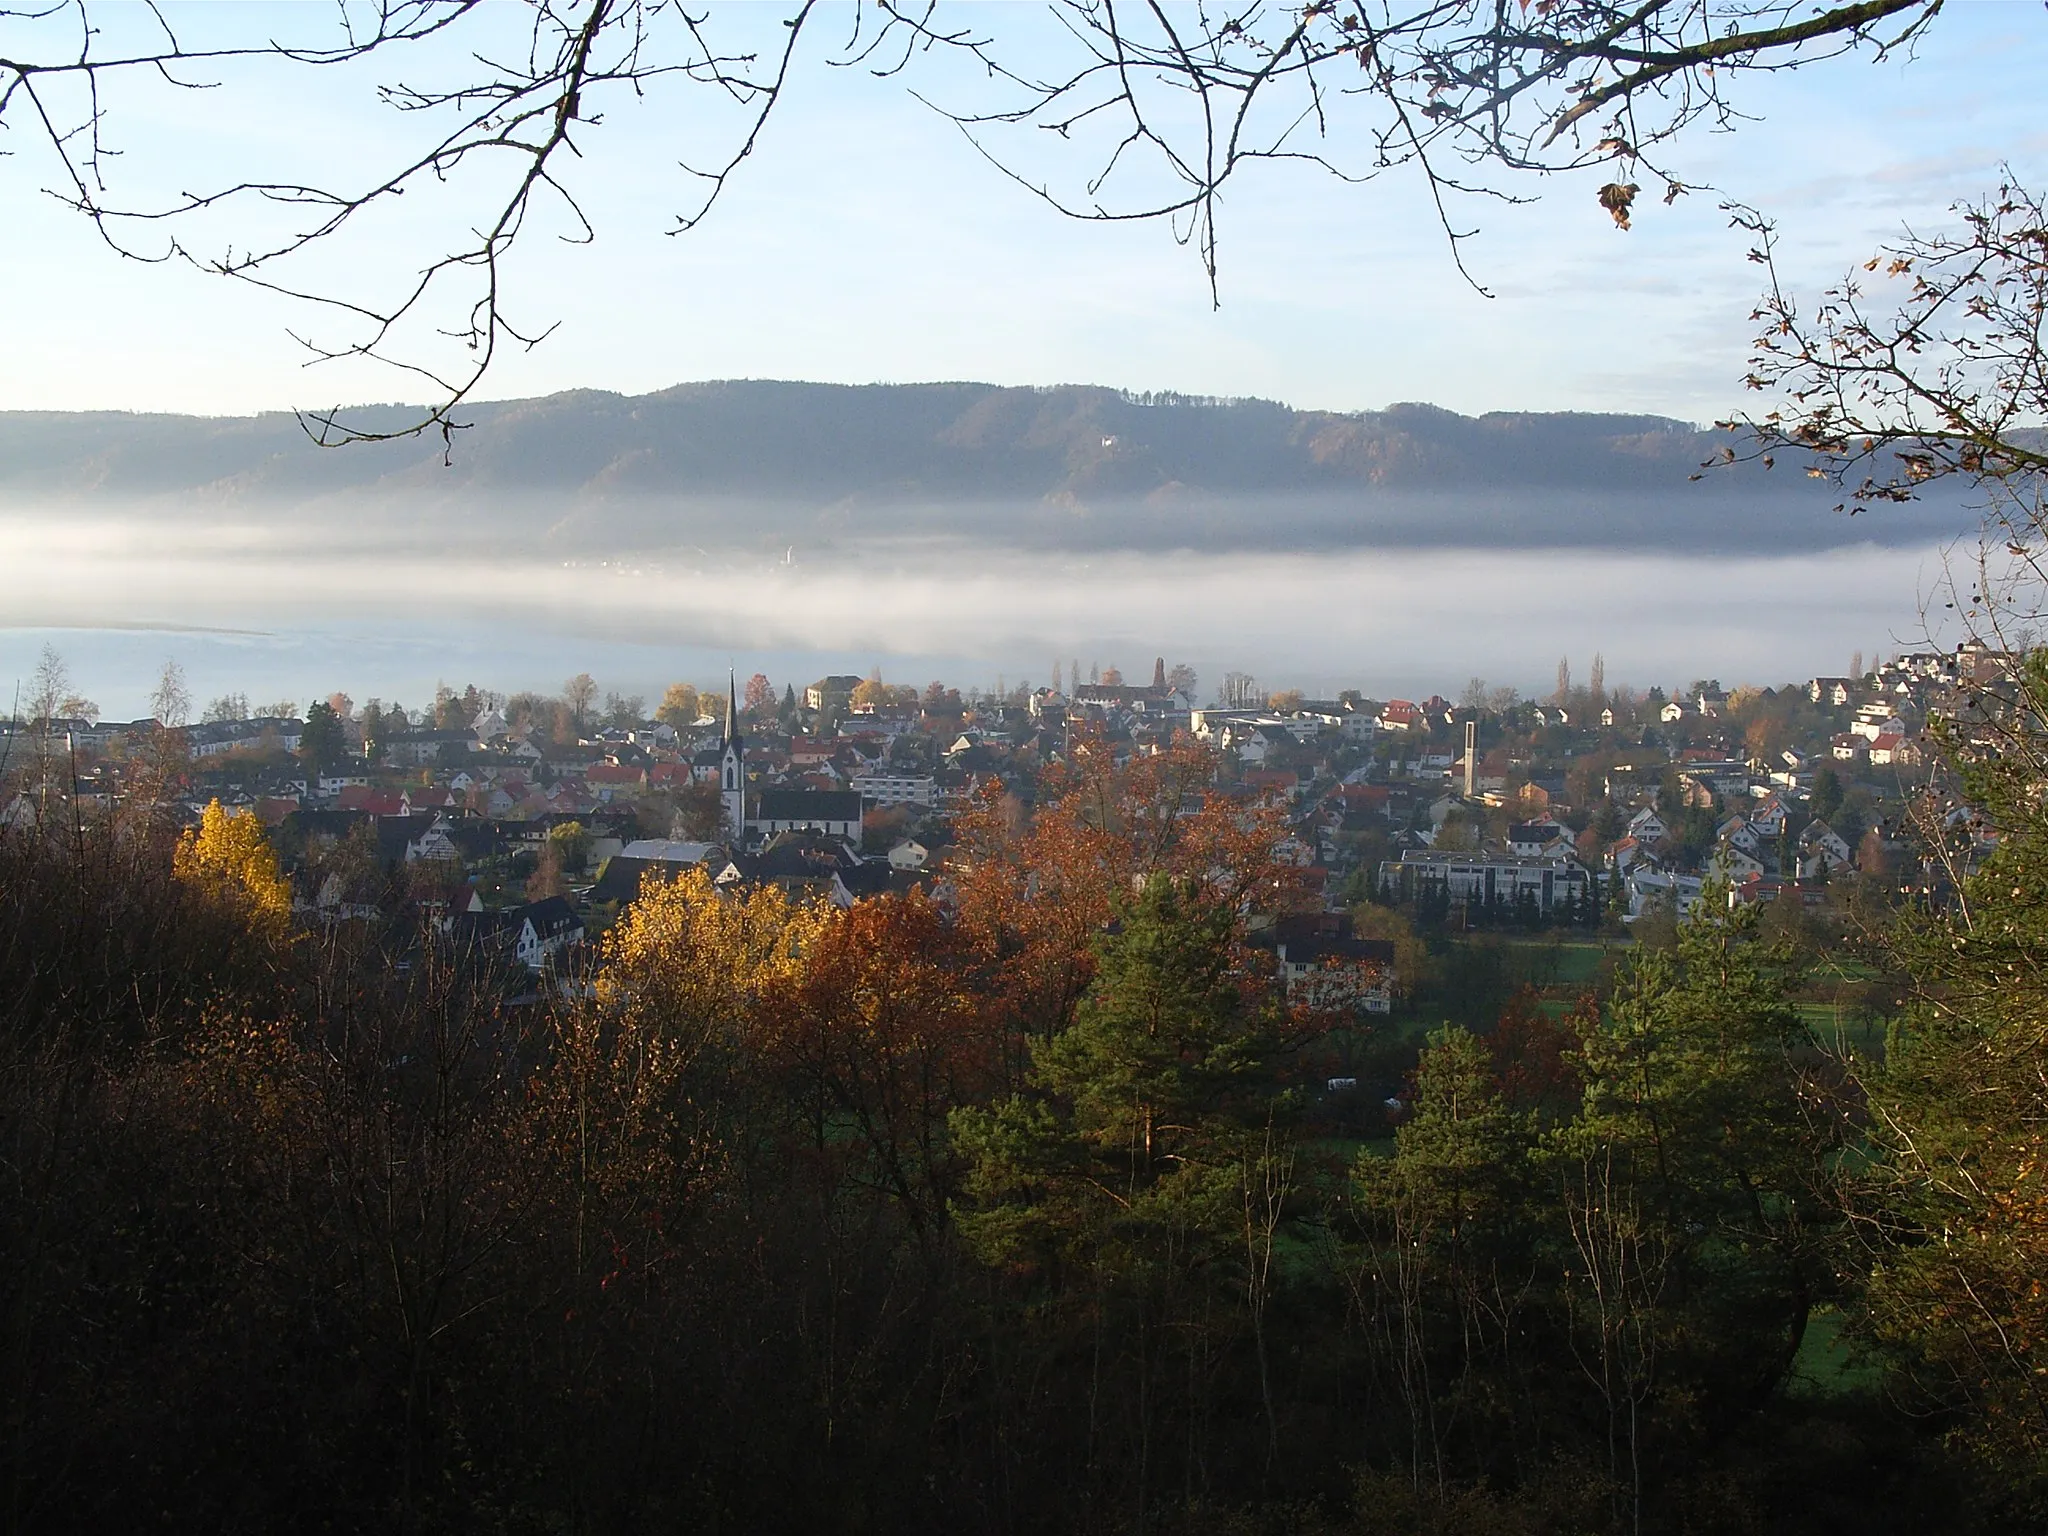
{"x": 866, "y": 240}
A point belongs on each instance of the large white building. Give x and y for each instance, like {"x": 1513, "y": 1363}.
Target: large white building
{"x": 898, "y": 789}
{"x": 1550, "y": 880}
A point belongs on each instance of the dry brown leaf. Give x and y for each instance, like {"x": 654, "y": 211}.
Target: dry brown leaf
{"x": 1617, "y": 198}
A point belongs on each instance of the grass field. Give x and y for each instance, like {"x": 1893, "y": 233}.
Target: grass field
{"x": 1831, "y": 1022}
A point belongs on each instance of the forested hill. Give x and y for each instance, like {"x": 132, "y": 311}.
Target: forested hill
{"x": 1067, "y": 465}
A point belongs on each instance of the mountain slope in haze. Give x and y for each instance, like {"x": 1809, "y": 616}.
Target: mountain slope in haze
{"x": 764, "y": 461}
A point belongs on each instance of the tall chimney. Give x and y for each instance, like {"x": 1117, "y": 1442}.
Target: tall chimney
{"x": 1471, "y": 759}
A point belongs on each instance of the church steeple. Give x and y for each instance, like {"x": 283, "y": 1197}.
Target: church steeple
{"x": 732, "y": 769}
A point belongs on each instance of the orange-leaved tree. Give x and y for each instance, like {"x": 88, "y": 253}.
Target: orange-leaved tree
{"x": 1033, "y": 896}
{"x": 881, "y": 1037}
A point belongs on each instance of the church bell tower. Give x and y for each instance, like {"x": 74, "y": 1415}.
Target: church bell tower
{"x": 732, "y": 770}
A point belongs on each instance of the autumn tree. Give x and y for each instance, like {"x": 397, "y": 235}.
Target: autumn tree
{"x": 680, "y": 706}
{"x": 882, "y": 1037}
{"x": 688, "y": 961}
{"x": 1033, "y": 895}
{"x": 228, "y": 858}
{"x": 376, "y": 726}
{"x": 870, "y": 692}
{"x": 571, "y": 841}
{"x": 759, "y": 699}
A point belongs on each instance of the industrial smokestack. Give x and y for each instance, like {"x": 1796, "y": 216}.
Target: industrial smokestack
{"x": 1471, "y": 759}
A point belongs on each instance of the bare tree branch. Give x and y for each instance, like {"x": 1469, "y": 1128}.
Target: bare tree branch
{"x": 1165, "y": 105}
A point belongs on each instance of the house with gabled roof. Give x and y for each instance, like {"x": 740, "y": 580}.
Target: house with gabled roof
{"x": 1324, "y": 963}
{"x": 1769, "y": 816}
{"x": 1527, "y": 839}
{"x": 1739, "y": 831}
{"x": 1647, "y": 827}
{"x": 1734, "y": 864}
{"x": 1821, "y": 847}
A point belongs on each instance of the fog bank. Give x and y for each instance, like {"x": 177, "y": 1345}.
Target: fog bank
{"x": 246, "y": 606}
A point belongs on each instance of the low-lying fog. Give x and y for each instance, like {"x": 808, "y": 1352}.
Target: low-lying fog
{"x": 247, "y": 607}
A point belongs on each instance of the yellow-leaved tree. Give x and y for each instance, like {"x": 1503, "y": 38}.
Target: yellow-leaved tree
{"x": 689, "y": 970}
{"x": 690, "y": 962}
{"x": 228, "y": 857}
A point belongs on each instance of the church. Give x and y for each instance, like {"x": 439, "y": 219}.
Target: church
{"x": 836, "y": 813}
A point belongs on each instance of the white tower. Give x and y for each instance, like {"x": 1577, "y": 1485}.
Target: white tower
{"x": 732, "y": 770}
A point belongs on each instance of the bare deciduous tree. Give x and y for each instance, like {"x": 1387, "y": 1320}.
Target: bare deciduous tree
{"x": 1933, "y": 367}
{"x": 579, "y": 693}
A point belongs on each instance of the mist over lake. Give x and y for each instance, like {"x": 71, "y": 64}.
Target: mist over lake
{"x": 243, "y": 607}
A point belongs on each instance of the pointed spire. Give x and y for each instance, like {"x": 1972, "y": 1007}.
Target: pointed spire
{"x": 732, "y": 706}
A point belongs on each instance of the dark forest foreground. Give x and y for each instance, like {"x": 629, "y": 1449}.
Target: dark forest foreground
{"x": 1025, "y": 1210}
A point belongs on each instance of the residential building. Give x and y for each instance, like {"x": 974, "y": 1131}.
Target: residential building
{"x": 1551, "y": 881}
{"x": 920, "y": 790}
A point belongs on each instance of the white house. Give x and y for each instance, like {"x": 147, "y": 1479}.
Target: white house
{"x": 1768, "y": 816}
{"x": 1739, "y": 832}
{"x": 1528, "y": 839}
{"x": 909, "y": 854}
{"x": 1733, "y": 864}
{"x": 1646, "y": 884}
{"x": 1647, "y": 827}
{"x": 1821, "y": 847}
{"x": 542, "y": 928}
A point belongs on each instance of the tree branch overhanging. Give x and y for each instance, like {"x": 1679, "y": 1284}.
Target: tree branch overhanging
{"x": 1164, "y": 107}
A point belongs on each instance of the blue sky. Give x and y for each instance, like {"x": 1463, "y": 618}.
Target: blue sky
{"x": 866, "y": 241}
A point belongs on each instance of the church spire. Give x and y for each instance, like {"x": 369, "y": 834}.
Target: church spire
{"x": 732, "y": 769}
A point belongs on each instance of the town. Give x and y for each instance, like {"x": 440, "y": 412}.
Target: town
{"x": 525, "y": 823}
